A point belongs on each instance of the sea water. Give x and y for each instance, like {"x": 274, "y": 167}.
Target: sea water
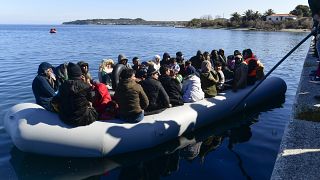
{"x": 245, "y": 147}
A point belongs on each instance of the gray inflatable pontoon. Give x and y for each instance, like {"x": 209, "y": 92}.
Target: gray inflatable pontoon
{"x": 33, "y": 129}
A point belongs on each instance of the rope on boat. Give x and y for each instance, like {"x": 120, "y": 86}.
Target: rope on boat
{"x": 274, "y": 67}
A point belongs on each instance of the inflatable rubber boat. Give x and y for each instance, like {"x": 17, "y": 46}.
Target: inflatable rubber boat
{"x": 33, "y": 129}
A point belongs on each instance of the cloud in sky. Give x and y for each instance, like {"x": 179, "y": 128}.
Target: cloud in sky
{"x": 56, "y": 12}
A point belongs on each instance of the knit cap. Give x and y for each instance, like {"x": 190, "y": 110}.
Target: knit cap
{"x": 74, "y": 71}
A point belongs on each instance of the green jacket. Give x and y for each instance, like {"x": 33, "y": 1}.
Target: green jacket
{"x": 209, "y": 82}
{"x": 130, "y": 97}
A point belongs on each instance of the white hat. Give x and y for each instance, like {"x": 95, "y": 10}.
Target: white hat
{"x": 156, "y": 57}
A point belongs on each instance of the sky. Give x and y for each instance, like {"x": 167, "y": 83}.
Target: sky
{"x": 59, "y": 11}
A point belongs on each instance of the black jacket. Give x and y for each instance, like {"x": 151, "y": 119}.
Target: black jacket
{"x": 314, "y": 6}
{"x": 73, "y": 99}
{"x": 158, "y": 97}
{"x": 173, "y": 89}
{"x": 117, "y": 69}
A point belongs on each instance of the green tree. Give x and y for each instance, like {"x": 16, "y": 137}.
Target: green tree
{"x": 194, "y": 23}
{"x": 256, "y": 16}
{"x": 248, "y": 15}
{"x": 235, "y": 17}
{"x": 269, "y": 12}
{"x": 301, "y": 11}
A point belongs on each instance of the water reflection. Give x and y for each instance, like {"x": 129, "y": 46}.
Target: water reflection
{"x": 240, "y": 135}
{"x": 156, "y": 163}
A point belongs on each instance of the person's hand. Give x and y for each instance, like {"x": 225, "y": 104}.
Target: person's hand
{"x": 52, "y": 76}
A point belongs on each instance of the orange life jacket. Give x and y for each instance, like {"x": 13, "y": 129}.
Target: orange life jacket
{"x": 252, "y": 72}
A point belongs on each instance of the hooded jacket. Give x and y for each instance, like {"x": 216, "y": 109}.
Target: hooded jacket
{"x": 173, "y": 89}
{"x": 209, "y": 81}
{"x": 74, "y": 107}
{"x": 117, "y": 69}
{"x": 191, "y": 89}
{"x": 157, "y": 95}
{"x": 42, "y": 89}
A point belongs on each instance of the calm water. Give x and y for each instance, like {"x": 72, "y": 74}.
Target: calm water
{"x": 243, "y": 148}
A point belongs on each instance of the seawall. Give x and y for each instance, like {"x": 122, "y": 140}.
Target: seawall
{"x": 299, "y": 153}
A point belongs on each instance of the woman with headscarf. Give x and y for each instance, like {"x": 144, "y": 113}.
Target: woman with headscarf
{"x": 209, "y": 79}
{"x": 44, "y": 86}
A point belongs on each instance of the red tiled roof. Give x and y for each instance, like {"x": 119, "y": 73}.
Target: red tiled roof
{"x": 283, "y": 15}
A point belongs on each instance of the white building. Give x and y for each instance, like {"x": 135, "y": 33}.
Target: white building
{"x": 280, "y": 17}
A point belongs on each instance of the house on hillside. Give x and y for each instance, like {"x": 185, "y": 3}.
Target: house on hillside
{"x": 280, "y": 17}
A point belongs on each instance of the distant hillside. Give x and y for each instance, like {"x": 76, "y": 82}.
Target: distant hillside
{"x": 125, "y": 21}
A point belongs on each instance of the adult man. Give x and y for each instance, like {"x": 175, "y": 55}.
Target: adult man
{"x": 122, "y": 57}
{"x": 136, "y": 63}
{"x": 172, "y": 86}
{"x": 85, "y": 70}
{"x": 315, "y": 9}
{"x": 118, "y": 68}
{"x": 165, "y": 59}
{"x": 44, "y": 86}
{"x": 74, "y": 99}
{"x": 131, "y": 98}
{"x": 179, "y": 57}
{"x": 197, "y": 60}
{"x": 84, "y": 67}
{"x": 255, "y": 67}
{"x": 252, "y": 63}
{"x": 158, "y": 97}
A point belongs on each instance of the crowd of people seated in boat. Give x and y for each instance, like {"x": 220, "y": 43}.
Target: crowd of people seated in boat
{"x": 145, "y": 88}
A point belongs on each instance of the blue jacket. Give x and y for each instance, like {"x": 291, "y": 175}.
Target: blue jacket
{"x": 42, "y": 90}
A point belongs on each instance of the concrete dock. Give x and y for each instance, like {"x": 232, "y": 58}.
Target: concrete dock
{"x": 299, "y": 154}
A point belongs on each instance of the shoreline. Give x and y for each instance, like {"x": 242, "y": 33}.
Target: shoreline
{"x": 252, "y": 29}
{"x": 295, "y": 30}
